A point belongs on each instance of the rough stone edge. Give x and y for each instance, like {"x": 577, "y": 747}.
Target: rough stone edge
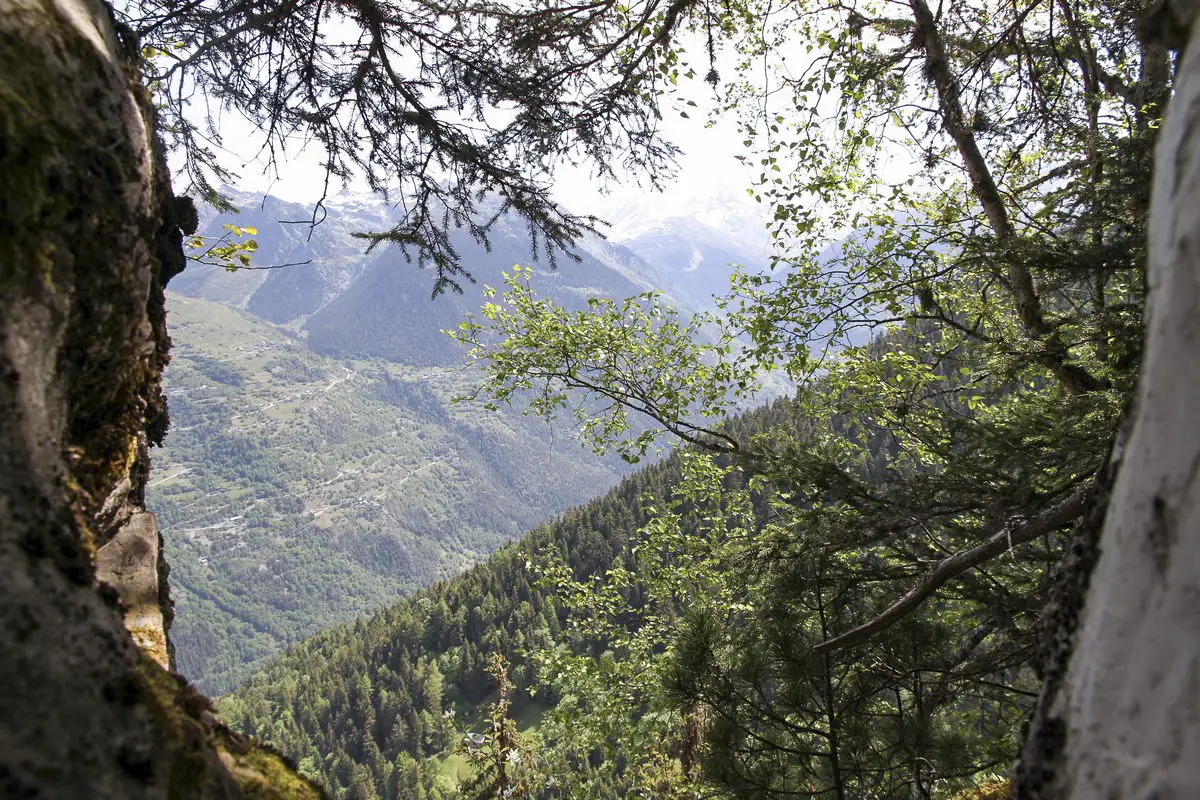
{"x": 178, "y": 721}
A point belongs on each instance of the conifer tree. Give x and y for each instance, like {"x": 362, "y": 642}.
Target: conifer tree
{"x": 965, "y": 341}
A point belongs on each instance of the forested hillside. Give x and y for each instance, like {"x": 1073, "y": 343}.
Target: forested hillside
{"x": 852, "y": 605}
{"x": 589, "y": 611}
{"x": 374, "y": 708}
{"x": 960, "y": 561}
{"x": 297, "y": 491}
{"x": 316, "y": 469}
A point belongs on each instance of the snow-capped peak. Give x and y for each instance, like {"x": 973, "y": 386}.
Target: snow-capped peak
{"x": 736, "y": 218}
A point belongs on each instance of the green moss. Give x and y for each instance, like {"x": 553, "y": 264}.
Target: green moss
{"x": 204, "y": 752}
{"x": 192, "y": 766}
{"x": 264, "y": 775}
{"x": 51, "y": 170}
{"x": 29, "y": 167}
{"x": 63, "y": 222}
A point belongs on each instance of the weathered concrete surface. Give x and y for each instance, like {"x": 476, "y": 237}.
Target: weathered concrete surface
{"x": 88, "y": 239}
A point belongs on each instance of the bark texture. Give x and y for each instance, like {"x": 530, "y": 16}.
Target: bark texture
{"x": 89, "y": 235}
{"x": 1120, "y": 712}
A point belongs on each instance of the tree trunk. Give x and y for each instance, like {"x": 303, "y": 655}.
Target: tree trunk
{"x": 1121, "y": 719}
{"x": 89, "y": 235}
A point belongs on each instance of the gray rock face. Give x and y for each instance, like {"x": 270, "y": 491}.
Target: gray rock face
{"x": 87, "y": 242}
{"x": 129, "y": 564}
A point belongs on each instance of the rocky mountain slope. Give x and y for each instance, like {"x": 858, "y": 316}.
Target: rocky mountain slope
{"x": 694, "y": 246}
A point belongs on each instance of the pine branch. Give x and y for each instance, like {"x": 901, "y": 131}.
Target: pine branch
{"x": 1018, "y": 278}
{"x": 1011, "y": 534}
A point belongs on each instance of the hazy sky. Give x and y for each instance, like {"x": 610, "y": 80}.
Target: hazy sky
{"x": 707, "y": 166}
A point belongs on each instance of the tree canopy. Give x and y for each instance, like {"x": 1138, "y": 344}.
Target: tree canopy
{"x": 437, "y": 105}
{"x": 959, "y": 199}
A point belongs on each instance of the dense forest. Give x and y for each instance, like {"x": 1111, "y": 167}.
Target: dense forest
{"x": 374, "y": 708}
{"x": 380, "y": 708}
{"x": 297, "y": 491}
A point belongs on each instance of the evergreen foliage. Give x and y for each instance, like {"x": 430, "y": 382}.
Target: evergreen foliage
{"x": 591, "y": 612}
{"x": 390, "y": 690}
{"x": 405, "y": 94}
{"x": 861, "y": 619}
